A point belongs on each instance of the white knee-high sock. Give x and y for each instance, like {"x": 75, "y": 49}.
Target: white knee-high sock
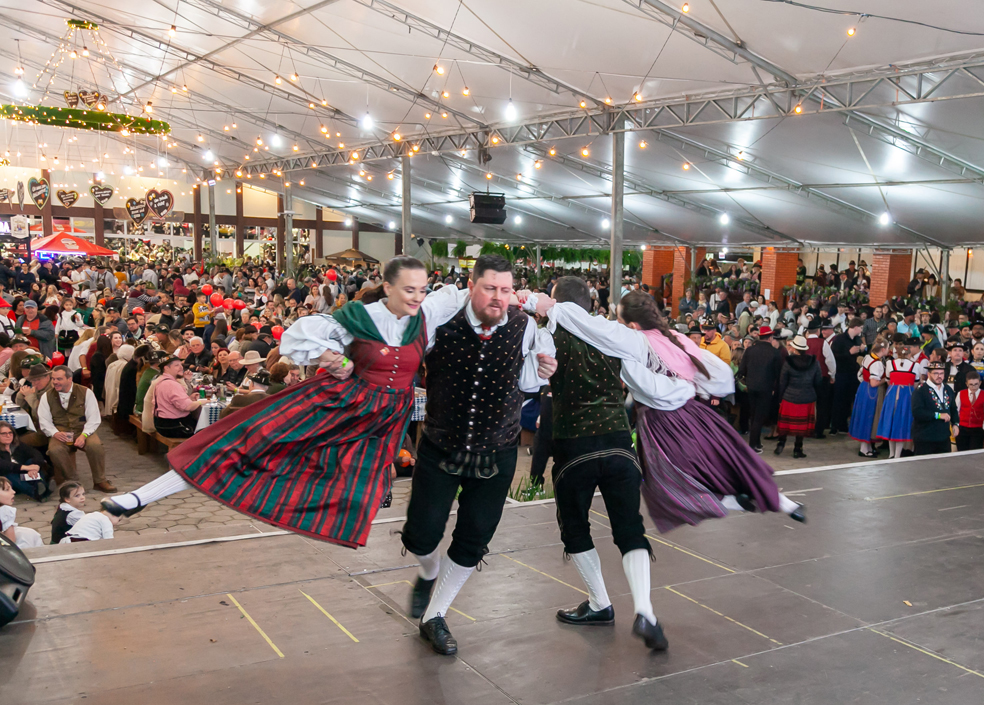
{"x": 430, "y": 564}
{"x": 636, "y": 566}
{"x": 894, "y": 449}
{"x": 730, "y": 503}
{"x": 865, "y": 447}
{"x": 588, "y": 564}
{"x": 167, "y": 484}
{"x": 449, "y": 581}
{"x": 786, "y": 505}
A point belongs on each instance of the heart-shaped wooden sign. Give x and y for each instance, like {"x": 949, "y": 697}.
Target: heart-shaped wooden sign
{"x": 67, "y": 198}
{"x": 102, "y": 194}
{"x": 5, "y": 195}
{"x": 72, "y": 99}
{"x": 90, "y": 98}
{"x": 160, "y": 202}
{"x": 137, "y": 210}
{"x": 39, "y": 190}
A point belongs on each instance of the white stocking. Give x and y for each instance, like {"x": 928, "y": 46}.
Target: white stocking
{"x": 636, "y": 566}
{"x": 167, "y": 484}
{"x": 786, "y": 505}
{"x": 588, "y": 564}
{"x": 450, "y": 580}
{"x": 865, "y": 447}
{"x": 430, "y": 564}
{"x": 730, "y": 503}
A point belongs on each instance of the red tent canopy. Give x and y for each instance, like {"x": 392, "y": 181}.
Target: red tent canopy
{"x": 67, "y": 244}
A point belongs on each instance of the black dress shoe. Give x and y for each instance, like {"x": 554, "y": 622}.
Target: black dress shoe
{"x": 421, "y": 597}
{"x": 745, "y": 502}
{"x": 117, "y": 511}
{"x": 652, "y": 634}
{"x": 779, "y": 447}
{"x": 583, "y": 614}
{"x": 799, "y": 514}
{"x": 798, "y": 453}
{"x": 437, "y": 633}
{"x": 820, "y": 436}
{"x": 869, "y": 454}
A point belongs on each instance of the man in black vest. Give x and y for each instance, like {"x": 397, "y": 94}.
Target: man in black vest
{"x": 759, "y": 369}
{"x": 846, "y": 347}
{"x": 479, "y": 364}
{"x": 934, "y": 413}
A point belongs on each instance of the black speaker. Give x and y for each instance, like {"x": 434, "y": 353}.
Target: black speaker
{"x": 488, "y": 208}
{"x": 16, "y": 578}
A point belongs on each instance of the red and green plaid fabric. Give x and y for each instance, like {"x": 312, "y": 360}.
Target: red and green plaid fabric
{"x": 313, "y": 458}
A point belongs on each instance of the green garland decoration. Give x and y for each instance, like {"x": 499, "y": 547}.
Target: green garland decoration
{"x": 84, "y": 119}
{"x": 82, "y": 24}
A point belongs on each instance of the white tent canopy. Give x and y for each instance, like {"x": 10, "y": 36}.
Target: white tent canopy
{"x": 766, "y": 112}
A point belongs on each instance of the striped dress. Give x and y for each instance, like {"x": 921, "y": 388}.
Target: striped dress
{"x": 315, "y": 457}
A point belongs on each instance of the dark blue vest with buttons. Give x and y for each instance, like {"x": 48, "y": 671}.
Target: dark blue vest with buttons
{"x": 473, "y": 395}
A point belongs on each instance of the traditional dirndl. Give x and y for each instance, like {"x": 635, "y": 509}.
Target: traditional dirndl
{"x": 797, "y": 419}
{"x": 691, "y": 458}
{"x": 863, "y": 414}
{"x": 895, "y": 423}
{"x": 313, "y": 458}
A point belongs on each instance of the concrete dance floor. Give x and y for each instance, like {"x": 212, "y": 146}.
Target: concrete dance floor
{"x": 878, "y": 599}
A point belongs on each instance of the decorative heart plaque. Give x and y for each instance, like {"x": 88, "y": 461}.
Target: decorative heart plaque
{"x": 89, "y": 98}
{"x": 72, "y": 99}
{"x": 5, "y": 195}
{"x": 102, "y": 194}
{"x": 67, "y": 198}
{"x": 137, "y": 210}
{"x": 160, "y": 202}
{"x": 39, "y": 190}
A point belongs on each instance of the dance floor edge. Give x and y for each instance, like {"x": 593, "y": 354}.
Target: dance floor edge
{"x": 878, "y": 599}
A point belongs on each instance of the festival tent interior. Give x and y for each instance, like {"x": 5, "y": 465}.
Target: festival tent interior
{"x": 747, "y": 124}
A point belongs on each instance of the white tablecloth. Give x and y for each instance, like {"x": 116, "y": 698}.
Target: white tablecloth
{"x": 209, "y": 414}
{"x": 19, "y": 419}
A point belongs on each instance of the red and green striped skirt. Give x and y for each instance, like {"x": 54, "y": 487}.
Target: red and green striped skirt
{"x": 796, "y": 419}
{"x": 313, "y": 458}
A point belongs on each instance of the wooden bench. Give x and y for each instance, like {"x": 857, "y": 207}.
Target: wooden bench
{"x": 143, "y": 440}
{"x": 169, "y": 443}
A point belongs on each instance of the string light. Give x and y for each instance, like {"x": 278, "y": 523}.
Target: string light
{"x": 416, "y": 148}
{"x": 85, "y": 50}
{"x": 637, "y": 97}
{"x": 294, "y": 77}
{"x": 311, "y": 105}
{"x": 686, "y": 7}
{"x": 798, "y": 109}
{"x": 277, "y": 80}
{"x": 538, "y": 164}
{"x": 488, "y": 175}
{"x": 444, "y": 115}
{"x": 201, "y": 138}
{"x": 583, "y": 104}
{"x": 445, "y": 94}
{"x": 149, "y": 108}
{"x": 608, "y": 101}
{"x": 296, "y": 147}
{"x": 73, "y": 54}
{"x": 427, "y": 116}
{"x": 643, "y": 144}
{"x": 852, "y": 31}
{"x": 465, "y": 91}
{"x": 686, "y": 166}
{"x": 173, "y": 31}
{"x": 324, "y": 130}
{"x": 397, "y": 137}
{"x": 585, "y": 152}
{"x": 438, "y": 69}
{"x": 390, "y": 176}
{"x": 259, "y": 141}
{"x": 553, "y": 151}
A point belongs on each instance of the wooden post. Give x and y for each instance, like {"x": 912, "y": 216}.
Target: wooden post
{"x": 99, "y": 223}
{"x": 319, "y": 240}
{"x": 240, "y": 223}
{"x": 198, "y": 223}
{"x": 355, "y": 233}
{"x": 47, "y": 227}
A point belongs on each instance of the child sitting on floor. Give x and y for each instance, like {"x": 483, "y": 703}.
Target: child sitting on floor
{"x": 20, "y": 535}
{"x": 71, "y": 494}
{"x": 92, "y": 527}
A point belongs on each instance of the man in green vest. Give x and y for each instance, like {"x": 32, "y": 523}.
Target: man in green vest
{"x": 69, "y": 416}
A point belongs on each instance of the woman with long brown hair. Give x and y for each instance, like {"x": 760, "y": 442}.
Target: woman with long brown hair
{"x": 696, "y": 466}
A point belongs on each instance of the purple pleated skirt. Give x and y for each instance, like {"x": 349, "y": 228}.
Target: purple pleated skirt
{"x": 691, "y": 458}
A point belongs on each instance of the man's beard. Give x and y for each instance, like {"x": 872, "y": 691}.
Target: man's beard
{"x": 488, "y": 317}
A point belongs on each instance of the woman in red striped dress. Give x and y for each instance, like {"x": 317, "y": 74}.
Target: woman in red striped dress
{"x": 315, "y": 457}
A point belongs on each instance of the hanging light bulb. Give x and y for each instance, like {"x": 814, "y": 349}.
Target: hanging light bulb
{"x": 466, "y": 91}
{"x": 296, "y": 147}
{"x": 519, "y": 177}
{"x": 85, "y": 50}
{"x": 184, "y": 88}
{"x": 397, "y": 137}
{"x": 608, "y": 101}
{"x": 390, "y": 176}
{"x": 643, "y": 144}
{"x": 510, "y": 110}
{"x": 438, "y": 69}
{"x": 725, "y": 219}
{"x": 149, "y": 108}
{"x": 201, "y": 138}
{"x": 538, "y": 164}
{"x": 553, "y": 151}
{"x": 324, "y": 102}
{"x": 259, "y": 141}
{"x": 277, "y": 80}
{"x": 367, "y": 122}
{"x": 294, "y": 77}
{"x": 416, "y": 148}
{"x": 686, "y": 7}
{"x": 324, "y": 130}
{"x": 852, "y": 31}
{"x": 445, "y": 94}
{"x": 585, "y": 152}
{"x": 637, "y": 97}
{"x": 488, "y": 175}
{"x": 18, "y": 70}
{"x": 686, "y": 166}
{"x": 583, "y": 104}
{"x": 741, "y": 155}
{"x": 311, "y": 105}
{"x": 427, "y": 116}
{"x": 798, "y": 109}
{"x": 171, "y": 32}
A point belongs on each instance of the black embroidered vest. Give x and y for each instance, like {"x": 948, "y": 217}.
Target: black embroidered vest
{"x": 587, "y": 390}
{"x": 473, "y": 395}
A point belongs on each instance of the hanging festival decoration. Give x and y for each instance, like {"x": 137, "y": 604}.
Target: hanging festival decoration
{"x": 67, "y": 198}
{"x": 40, "y": 190}
{"x": 137, "y": 210}
{"x": 160, "y": 203}
{"x": 101, "y": 194}
{"x": 20, "y": 194}
{"x": 86, "y": 108}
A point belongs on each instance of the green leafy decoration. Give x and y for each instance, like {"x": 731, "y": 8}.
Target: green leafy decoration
{"x": 84, "y": 119}
{"x": 460, "y": 248}
{"x": 439, "y": 249}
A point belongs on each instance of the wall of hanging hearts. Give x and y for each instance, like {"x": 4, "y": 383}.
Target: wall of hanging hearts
{"x": 67, "y": 198}
{"x": 160, "y": 203}
{"x": 137, "y": 210}
{"x": 101, "y": 193}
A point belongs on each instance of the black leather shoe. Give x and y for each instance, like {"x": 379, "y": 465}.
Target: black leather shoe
{"x": 779, "y": 447}
{"x": 798, "y": 453}
{"x": 437, "y": 633}
{"x": 421, "y": 597}
{"x": 652, "y": 634}
{"x": 799, "y": 514}
{"x": 745, "y": 502}
{"x": 583, "y": 614}
{"x": 869, "y": 454}
{"x": 117, "y": 511}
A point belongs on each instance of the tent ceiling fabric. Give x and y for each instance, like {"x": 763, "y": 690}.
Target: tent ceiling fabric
{"x": 781, "y": 177}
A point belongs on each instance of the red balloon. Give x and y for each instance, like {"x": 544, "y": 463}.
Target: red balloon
{"x": 216, "y": 299}
{"x": 239, "y": 304}
{"x": 332, "y": 274}
{"x": 277, "y": 332}
{"x": 207, "y": 289}
{"x": 57, "y": 359}
{"x": 137, "y": 311}
{"x": 228, "y": 304}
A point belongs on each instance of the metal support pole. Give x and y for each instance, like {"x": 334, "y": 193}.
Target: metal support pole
{"x": 407, "y": 226}
{"x": 213, "y": 232}
{"x": 538, "y": 264}
{"x": 289, "y": 230}
{"x": 944, "y": 278}
{"x": 618, "y": 190}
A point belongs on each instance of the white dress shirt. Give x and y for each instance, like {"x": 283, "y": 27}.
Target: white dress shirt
{"x": 94, "y": 526}
{"x": 92, "y": 417}
{"x": 73, "y": 514}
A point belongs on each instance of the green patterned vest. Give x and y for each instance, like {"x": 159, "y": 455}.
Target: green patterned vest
{"x": 587, "y": 390}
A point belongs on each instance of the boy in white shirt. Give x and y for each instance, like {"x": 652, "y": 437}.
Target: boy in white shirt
{"x": 92, "y": 527}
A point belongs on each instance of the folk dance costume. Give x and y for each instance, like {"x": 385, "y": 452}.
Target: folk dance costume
{"x": 930, "y": 433}
{"x": 895, "y": 422}
{"x": 867, "y": 404}
{"x": 476, "y": 378}
{"x": 315, "y": 457}
{"x": 970, "y": 409}
{"x": 695, "y": 465}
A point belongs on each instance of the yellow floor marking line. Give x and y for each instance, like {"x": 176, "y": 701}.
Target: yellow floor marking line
{"x": 928, "y": 653}
{"x": 407, "y": 582}
{"x": 255, "y": 625}
{"x": 743, "y": 626}
{"x": 503, "y": 555}
{"x": 913, "y": 494}
{"x": 325, "y": 612}
{"x": 672, "y": 545}
{"x": 734, "y": 660}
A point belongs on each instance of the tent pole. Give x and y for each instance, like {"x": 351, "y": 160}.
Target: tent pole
{"x": 407, "y": 225}
{"x": 618, "y": 191}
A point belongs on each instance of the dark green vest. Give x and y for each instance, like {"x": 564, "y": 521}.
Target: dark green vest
{"x": 587, "y": 390}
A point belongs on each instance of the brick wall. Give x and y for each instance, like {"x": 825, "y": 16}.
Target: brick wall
{"x": 656, "y": 262}
{"x": 681, "y": 272}
{"x": 890, "y": 275}
{"x": 778, "y": 271}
